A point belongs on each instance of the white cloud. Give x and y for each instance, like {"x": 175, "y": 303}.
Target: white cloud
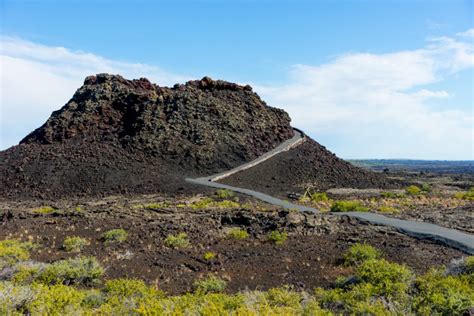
{"x": 424, "y": 93}
{"x": 359, "y": 104}
{"x": 468, "y": 33}
{"x": 37, "y": 79}
{"x": 370, "y": 105}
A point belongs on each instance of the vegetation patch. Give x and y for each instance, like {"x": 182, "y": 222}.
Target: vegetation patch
{"x": 155, "y": 206}
{"x": 378, "y": 287}
{"x": 130, "y": 288}
{"x": 391, "y": 195}
{"x": 413, "y": 190}
{"x": 206, "y": 203}
{"x": 436, "y": 293}
{"x": 276, "y": 237}
{"x": 80, "y": 270}
{"x": 224, "y": 194}
{"x": 177, "y": 241}
{"x": 209, "y": 256}
{"x": 74, "y": 243}
{"x": 348, "y": 206}
{"x": 468, "y": 195}
{"x": 26, "y": 272}
{"x": 314, "y": 197}
{"x": 386, "y": 278}
{"x": 47, "y": 210}
{"x": 426, "y": 187}
{"x": 358, "y": 253}
{"x": 117, "y": 235}
{"x": 237, "y": 234}
{"x": 210, "y": 284}
{"x": 56, "y": 299}
{"x": 319, "y": 200}
{"x": 12, "y": 251}
{"x": 468, "y": 265}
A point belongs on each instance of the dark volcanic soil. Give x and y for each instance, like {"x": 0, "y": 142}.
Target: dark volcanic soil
{"x": 310, "y": 257}
{"x": 309, "y": 165}
{"x": 460, "y": 218}
{"x": 81, "y": 169}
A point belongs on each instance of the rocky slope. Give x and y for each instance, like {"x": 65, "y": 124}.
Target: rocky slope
{"x": 309, "y": 165}
{"x": 203, "y": 124}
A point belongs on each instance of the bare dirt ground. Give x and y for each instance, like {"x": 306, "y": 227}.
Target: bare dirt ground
{"x": 310, "y": 257}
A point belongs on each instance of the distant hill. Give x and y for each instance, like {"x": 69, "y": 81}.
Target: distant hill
{"x": 435, "y": 166}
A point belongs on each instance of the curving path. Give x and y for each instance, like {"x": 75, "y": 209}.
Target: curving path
{"x": 422, "y": 230}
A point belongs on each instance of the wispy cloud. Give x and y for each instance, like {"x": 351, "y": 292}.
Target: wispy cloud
{"x": 37, "y": 79}
{"x": 468, "y": 33}
{"x": 369, "y": 105}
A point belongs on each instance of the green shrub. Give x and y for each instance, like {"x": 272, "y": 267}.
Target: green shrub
{"x": 196, "y": 304}
{"x": 283, "y": 296}
{"x": 117, "y": 235}
{"x": 26, "y": 272}
{"x": 78, "y": 209}
{"x": 388, "y": 279}
{"x": 224, "y": 194}
{"x": 202, "y": 203}
{"x": 413, "y": 190}
{"x": 348, "y": 206}
{"x": 80, "y": 270}
{"x": 390, "y": 195}
{"x": 426, "y": 187}
{"x": 319, "y": 197}
{"x": 469, "y": 195}
{"x": 468, "y": 265}
{"x": 74, "y": 243}
{"x": 178, "y": 241}
{"x": 276, "y": 237}
{"x": 45, "y": 210}
{"x": 12, "y": 251}
{"x": 376, "y": 283}
{"x": 130, "y": 288}
{"x": 358, "y": 299}
{"x": 93, "y": 299}
{"x": 438, "y": 294}
{"x": 210, "y": 284}
{"x": 56, "y": 300}
{"x": 359, "y": 253}
{"x": 377, "y": 288}
{"x": 14, "y": 299}
{"x": 209, "y": 256}
{"x": 237, "y": 234}
{"x": 210, "y": 203}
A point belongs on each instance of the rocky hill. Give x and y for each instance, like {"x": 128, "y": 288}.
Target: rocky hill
{"x": 205, "y": 124}
{"x": 131, "y": 136}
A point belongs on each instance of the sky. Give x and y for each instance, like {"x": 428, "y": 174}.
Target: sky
{"x": 367, "y": 79}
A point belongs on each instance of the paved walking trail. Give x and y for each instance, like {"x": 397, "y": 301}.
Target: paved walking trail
{"x": 422, "y": 230}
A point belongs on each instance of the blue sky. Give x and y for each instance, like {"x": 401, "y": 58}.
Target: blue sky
{"x": 368, "y": 79}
